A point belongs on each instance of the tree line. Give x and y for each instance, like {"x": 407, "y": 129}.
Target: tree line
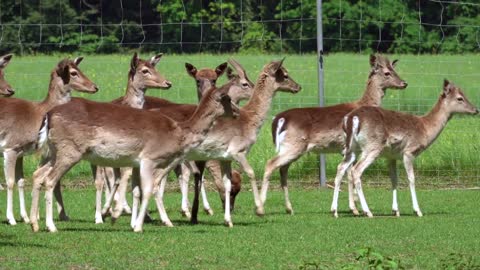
{"x": 262, "y": 26}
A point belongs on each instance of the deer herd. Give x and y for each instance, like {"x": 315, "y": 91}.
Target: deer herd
{"x": 144, "y": 138}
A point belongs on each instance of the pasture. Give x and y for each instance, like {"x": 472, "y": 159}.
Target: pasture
{"x": 311, "y": 237}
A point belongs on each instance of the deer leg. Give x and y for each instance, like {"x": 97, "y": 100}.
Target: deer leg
{"x": 38, "y": 180}
{"x": 226, "y": 167}
{"x": 198, "y": 178}
{"x": 246, "y": 168}
{"x": 408, "y": 163}
{"x": 342, "y": 168}
{"x": 119, "y": 190}
{"x": 281, "y": 160}
{"x": 352, "y": 194}
{"x": 19, "y": 178}
{"x": 10, "y": 159}
{"x": 124, "y": 174}
{"x": 392, "y": 166}
{"x": 136, "y": 192}
{"x": 57, "y": 191}
{"x": 99, "y": 180}
{"x": 147, "y": 183}
{"x": 366, "y": 159}
{"x": 183, "y": 175}
{"x": 159, "y": 199}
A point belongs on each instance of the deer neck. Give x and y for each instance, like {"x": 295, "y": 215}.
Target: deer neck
{"x": 134, "y": 96}
{"x": 261, "y": 100}
{"x": 200, "y": 122}
{"x": 373, "y": 94}
{"x": 58, "y": 94}
{"x": 435, "y": 120}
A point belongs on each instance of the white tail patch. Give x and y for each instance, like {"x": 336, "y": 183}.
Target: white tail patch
{"x": 279, "y": 136}
{"x": 43, "y": 133}
{"x": 355, "y": 123}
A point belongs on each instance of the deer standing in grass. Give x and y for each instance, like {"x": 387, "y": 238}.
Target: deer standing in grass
{"x": 231, "y": 139}
{"x": 141, "y": 76}
{"x": 302, "y": 130}
{"x": 21, "y": 120}
{"x": 5, "y": 89}
{"x": 112, "y": 135}
{"x": 376, "y": 132}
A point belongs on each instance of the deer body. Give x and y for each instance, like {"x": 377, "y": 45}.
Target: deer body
{"x": 299, "y": 131}
{"x": 21, "y": 122}
{"x": 112, "y": 135}
{"x": 394, "y": 135}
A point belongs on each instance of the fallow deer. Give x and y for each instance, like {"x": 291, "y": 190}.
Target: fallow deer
{"x": 118, "y": 136}
{"x": 21, "y": 120}
{"x": 141, "y": 76}
{"x": 302, "y": 130}
{"x": 231, "y": 139}
{"x": 5, "y": 89}
{"x": 376, "y": 132}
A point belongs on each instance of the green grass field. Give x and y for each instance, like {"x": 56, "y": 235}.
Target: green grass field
{"x": 452, "y": 160}
{"x": 445, "y": 236}
{"x": 276, "y": 241}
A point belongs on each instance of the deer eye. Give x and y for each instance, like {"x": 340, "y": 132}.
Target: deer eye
{"x": 214, "y": 81}
{"x": 245, "y": 85}
{"x": 145, "y": 71}
{"x": 286, "y": 76}
{"x": 74, "y": 74}
{"x": 460, "y": 99}
{"x": 387, "y": 74}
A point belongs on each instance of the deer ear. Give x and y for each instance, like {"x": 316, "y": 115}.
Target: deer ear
{"x": 275, "y": 66}
{"x": 4, "y": 60}
{"x": 63, "y": 71}
{"x": 78, "y": 60}
{"x": 447, "y": 88}
{"x": 230, "y": 74}
{"x": 133, "y": 65}
{"x": 394, "y": 63}
{"x": 155, "y": 59}
{"x": 191, "y": 69}
{"x": 221, "y": 69}
{"x": 373, "y": 60}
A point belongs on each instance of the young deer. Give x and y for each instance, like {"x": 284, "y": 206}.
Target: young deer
{"x": 21, "y": 120}
{"x": 301, "y": 130}
{"x": 141, "y": 76}
{"x": 5, "y": 89}
{"x": 394, "y": 135}
{"x": 118, "y": 136}
{"x": 231, "y": 139}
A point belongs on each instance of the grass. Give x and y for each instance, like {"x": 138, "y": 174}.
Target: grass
{"x": 453, "y": 159}
{"x": 276, "y": 241}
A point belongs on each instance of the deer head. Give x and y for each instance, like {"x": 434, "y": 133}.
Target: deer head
{"x": 205, "y": 78}
{"x": 5, "y": 89}
{"x": 282, "y": 81}
{"x": 383, "y": 71}
{"x": 455, "y": 100}
{"x": 73, "y": 78}
{"x": 143, "y": 74}
{"x": 242, "y": 89}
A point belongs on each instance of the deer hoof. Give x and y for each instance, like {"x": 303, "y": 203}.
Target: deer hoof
{"x": 168, "y": 223}
{"x": 419, "y": 213}
{"x": 396, "y": 213}
{"x": 98, "y": 221}
{"x": 52, "y": 229}
{"x": 209, "y": 211}
{"x": 11, "y": 221}
{"x": 229, "y": 224}
{"x": 35, "y": 227}
{"x": 26, "y": 220}
{"x": 260, "y": 211}
{"x": 335, "y": 213}
{"x": 368, "y": 214}
{"x": 289, "y": 211}
{"x": 355, "y": 212}
{"x": 138, "y": 229}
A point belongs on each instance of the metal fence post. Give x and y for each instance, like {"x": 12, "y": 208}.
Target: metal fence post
{"x": 321, "y": 96}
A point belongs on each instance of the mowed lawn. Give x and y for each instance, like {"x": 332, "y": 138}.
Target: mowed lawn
{"x": 277, "y": 241}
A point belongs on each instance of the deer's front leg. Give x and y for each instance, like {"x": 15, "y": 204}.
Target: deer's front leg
{"x": 392, "y": 165}
{"x": 246, "y": 168}
{"x": 226, "y": 167}
{"x": 408, "y": 163}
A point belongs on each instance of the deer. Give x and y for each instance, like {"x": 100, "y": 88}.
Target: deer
{"x": 231, "y": 139}
{"x": 319, "y": 129}
{"x": 375, "y": 132}
{"x": 142, "y": 75}
{"x": 112, "y": 135}
{"x": 21, "y": 120}
{"x": 240, "y": 89}
{"x": 5, "y": 89}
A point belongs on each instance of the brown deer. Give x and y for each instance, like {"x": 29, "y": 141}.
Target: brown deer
{"x": 376, "y": 132}
{"x": 231, "y": 139}
{"x": 5, "y": 89}
{"x": 141, "y": 76}
{"x": 301, "y": 130}
{"x": 118, "y": 136}
{"x": 21, "y": 120}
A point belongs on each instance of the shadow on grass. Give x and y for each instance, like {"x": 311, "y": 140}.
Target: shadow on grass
{"x": 21, "y": 244}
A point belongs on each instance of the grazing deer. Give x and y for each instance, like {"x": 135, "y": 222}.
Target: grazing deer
{"x": 301, "y": 130}
{"x": 231, "y": 139}
{"x": 5, "y": 89}
{"x": 118, "y": 136}
{"x": 21, "y": 120}
{"x": 375, "y": 132}
{"x": 141, "y": 76}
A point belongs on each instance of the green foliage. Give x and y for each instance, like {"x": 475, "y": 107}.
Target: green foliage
{"x": 368, "y": 258}
{"x": 241, "y": 25}
{"x": 456, "y": 261}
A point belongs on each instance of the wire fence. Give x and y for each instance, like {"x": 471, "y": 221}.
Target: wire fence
{"x": 429, "y": 43}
